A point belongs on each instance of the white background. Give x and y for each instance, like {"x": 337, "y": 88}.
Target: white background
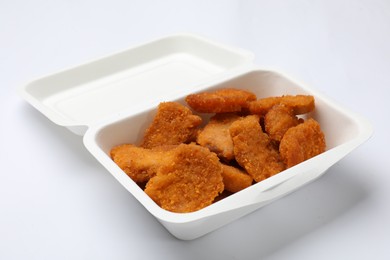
{"x": 58, "y": 202}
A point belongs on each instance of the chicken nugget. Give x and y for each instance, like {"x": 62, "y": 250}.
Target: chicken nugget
{"x": 173, "y": 124}
{"x": 302, "y": 142}
{"x": 220, "y": 101}
{"x": 278, "y": 120}
{"x": 254, "y": 150}
{"x": 216, "y": 136}
{"x": 138, "y": 163}
{"x": 301, "y": 104}
{"x": 191, "y": 181}
{"x": 235, "y": 179}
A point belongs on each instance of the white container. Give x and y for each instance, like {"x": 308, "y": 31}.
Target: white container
{"x": 112, "y": 100}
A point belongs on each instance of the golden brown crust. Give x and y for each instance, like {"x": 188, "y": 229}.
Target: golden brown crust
{"x": 253, "y": 149}
{"x": 181, "y": 176}
{"x": 301, "y": 104}
{"x": 138, "y": 163}
{"x": 220, "y": 101}
{"x": 216, "y": 136}
{"x": 302, "y": 142}
{"x": 278, "y": 120}
{"x": 235, "y": 179}
{"x": 173, "y": 124}
{"x": 191, "y": 181}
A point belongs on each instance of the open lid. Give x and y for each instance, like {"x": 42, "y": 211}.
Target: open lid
{"x": 81, "y": 96}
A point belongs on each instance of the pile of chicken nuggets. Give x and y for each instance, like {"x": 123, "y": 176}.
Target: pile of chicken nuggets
{"x": 185, "y": 164}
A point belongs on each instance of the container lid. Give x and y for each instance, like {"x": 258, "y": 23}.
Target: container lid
{"x": 79, "y": 97}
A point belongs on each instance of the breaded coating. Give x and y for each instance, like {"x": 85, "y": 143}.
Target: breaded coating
{"x": 138, "y": 163}
{"x": 302, "y": 142}
{"x": 216, "y": 136}
{"x": 235, "y": 179}
{"x": 173, "y": 124}
{"x": 301, "y": 104}
{"x": 191, "y": 181}
{"x": 278, "y": 120}
{"x": 220, "y": 101}
{"x": 184, "y": 165}
{"x": 254, "y": 150}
